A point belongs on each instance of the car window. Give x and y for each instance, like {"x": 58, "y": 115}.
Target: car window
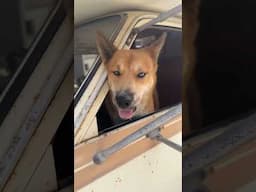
{"x": 25, "y": 36}
{"x": 18, "y": 33}
{"x": 169, "y": 74}
{"x": 85, "y": 45}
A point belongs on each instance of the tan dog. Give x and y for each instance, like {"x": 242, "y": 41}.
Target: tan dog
{"x": 132, "y": 77}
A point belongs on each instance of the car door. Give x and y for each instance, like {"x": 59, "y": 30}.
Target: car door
{"x": 93, "y": 134}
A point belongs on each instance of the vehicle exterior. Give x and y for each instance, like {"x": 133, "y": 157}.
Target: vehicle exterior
{"x": 144, "y": 160}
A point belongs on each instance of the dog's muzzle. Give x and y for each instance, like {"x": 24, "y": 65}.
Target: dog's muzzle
{"x": 124, "y": 102}
{"x": 124, "y": 99}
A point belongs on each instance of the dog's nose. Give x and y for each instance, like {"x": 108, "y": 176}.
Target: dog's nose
{"x": 124, "y": 99}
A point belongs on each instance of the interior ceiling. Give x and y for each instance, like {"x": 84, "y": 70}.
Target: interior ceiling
{"x": 88, "y": 9}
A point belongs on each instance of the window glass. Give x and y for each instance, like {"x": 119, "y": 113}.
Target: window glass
{"x": 85, "y": 45}
{"x": 21, "y": 26}
{"x": 28, "y": 27}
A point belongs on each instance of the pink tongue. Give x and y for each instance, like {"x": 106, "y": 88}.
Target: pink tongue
{"x": 125, "y": 113}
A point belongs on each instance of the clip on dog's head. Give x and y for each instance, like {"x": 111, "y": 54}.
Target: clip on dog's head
{"x": 132, "y": 75}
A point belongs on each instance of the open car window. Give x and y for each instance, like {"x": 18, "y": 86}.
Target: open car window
{"x": 169, "y": 75}
{"x": 92, "y": 117}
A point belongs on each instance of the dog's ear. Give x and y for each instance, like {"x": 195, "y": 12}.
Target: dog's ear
{"x": 105, "y": 48}
{"x": 155, "y": 48}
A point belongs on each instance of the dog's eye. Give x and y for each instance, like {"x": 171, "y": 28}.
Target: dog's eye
{"x": 141, "y": 75}
{"x": 116, "y": 73}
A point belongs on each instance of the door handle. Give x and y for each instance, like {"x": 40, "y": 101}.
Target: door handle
{"x": 156, "y": 135}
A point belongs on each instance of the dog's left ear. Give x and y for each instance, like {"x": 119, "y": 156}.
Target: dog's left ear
{"x": 155, "y": 48}
{"x": 105, "y": 48}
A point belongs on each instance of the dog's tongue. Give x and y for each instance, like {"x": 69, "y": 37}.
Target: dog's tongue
{"x": 125, "y": 113}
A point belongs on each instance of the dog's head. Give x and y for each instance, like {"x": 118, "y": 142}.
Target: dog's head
{"x": 131, "y": 74}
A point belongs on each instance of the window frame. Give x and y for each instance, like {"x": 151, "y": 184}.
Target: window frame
{"x": 97, "y": 63}
{"x": 37, "y": 49}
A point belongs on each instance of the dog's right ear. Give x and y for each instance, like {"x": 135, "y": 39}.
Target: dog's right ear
{"x": 105, "y": 48}
{"x": 155, "y": 48}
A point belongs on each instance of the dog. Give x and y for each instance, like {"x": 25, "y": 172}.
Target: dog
{"x": 131, "y": 76}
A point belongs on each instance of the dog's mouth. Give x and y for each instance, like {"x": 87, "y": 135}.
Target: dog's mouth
{"x": 127, "y": 113}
